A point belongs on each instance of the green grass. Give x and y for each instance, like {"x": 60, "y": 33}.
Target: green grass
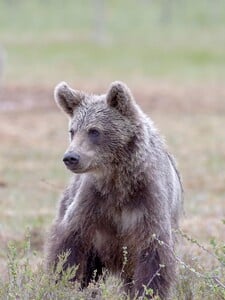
{"x": 48, "y": 41}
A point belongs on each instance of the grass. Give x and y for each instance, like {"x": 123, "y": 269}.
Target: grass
{"x": 135, "y": 40}
{"x": 33, "y": 176}
{"x": 173, "y": 58}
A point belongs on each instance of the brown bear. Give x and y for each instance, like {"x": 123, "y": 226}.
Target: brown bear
{"x": 125, "y": 193}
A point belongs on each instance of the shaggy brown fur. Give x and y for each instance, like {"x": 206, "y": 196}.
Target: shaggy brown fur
{"x": 126, "y": 192}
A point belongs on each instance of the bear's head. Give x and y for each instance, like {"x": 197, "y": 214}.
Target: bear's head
{"x": 103, "y": 128}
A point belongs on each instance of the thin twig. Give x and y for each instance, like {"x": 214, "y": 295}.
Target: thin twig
{"x": 215, "y": 279}
{"x": 190, "y": 239}
{"x": 150, "y": 281}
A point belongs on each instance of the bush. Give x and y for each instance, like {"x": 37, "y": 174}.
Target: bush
{"x": 194, "y": 280}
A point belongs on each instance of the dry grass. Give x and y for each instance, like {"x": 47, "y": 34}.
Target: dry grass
{"x": 32, "y": 175}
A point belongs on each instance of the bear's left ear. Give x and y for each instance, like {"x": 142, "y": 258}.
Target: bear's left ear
{"x": 119, "y": 97}
{"x": 67, "y": 99}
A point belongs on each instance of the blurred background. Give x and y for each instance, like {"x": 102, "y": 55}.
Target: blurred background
{"x": 171, "y": 53}
{"x": 45, "y": 41}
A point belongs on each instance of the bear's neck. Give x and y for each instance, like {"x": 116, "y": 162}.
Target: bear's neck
{"x": 122, "y": 182}
{"x": 133, "y": 171}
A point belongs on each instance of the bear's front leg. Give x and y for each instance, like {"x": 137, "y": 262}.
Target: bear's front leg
{"x": 89, "y": 265}
{"x": 60, "y": 243}
{"x": 155, "y": 270}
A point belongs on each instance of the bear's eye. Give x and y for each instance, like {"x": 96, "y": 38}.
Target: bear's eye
{"x": 93, "y": 132}
{"x": 71, "y": 132}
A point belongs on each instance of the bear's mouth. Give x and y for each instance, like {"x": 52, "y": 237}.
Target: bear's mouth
{"x": 80, "y": 170}
{"x": 76, "y": 169}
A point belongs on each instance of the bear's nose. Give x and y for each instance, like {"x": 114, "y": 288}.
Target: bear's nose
{"x": 71, "y": 159}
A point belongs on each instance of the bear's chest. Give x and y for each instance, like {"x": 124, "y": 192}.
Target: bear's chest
{"x": 115, "y": 228}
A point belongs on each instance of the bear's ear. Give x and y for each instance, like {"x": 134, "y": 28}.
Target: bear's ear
{"x": 119, "y": 97}
{"x": 66, "y": 98}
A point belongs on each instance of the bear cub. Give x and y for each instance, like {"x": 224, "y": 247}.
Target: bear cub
{"x": 125, "y": 193}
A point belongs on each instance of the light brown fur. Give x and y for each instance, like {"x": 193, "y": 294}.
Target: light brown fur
{"x": 125, "y": 191}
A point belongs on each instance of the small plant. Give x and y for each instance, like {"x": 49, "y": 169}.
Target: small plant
{"x": 26, "y": 283}
{"x": 194, "y": 280}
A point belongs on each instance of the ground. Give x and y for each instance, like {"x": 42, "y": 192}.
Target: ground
{"x": 34, "y": 138}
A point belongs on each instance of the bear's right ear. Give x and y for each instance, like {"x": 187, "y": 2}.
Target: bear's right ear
{"x": 66, "y": 98}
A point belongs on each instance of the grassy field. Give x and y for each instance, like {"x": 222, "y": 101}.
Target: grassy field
{"x": 49, "y": 41}
{"x": 174, "y": 61}
{"x": 32, "y": 177}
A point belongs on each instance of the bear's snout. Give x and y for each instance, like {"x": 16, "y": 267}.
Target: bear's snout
{"x": 71, "y": 159}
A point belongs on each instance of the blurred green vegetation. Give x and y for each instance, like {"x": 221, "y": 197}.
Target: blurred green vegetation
{"x": 51, "y": 40}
